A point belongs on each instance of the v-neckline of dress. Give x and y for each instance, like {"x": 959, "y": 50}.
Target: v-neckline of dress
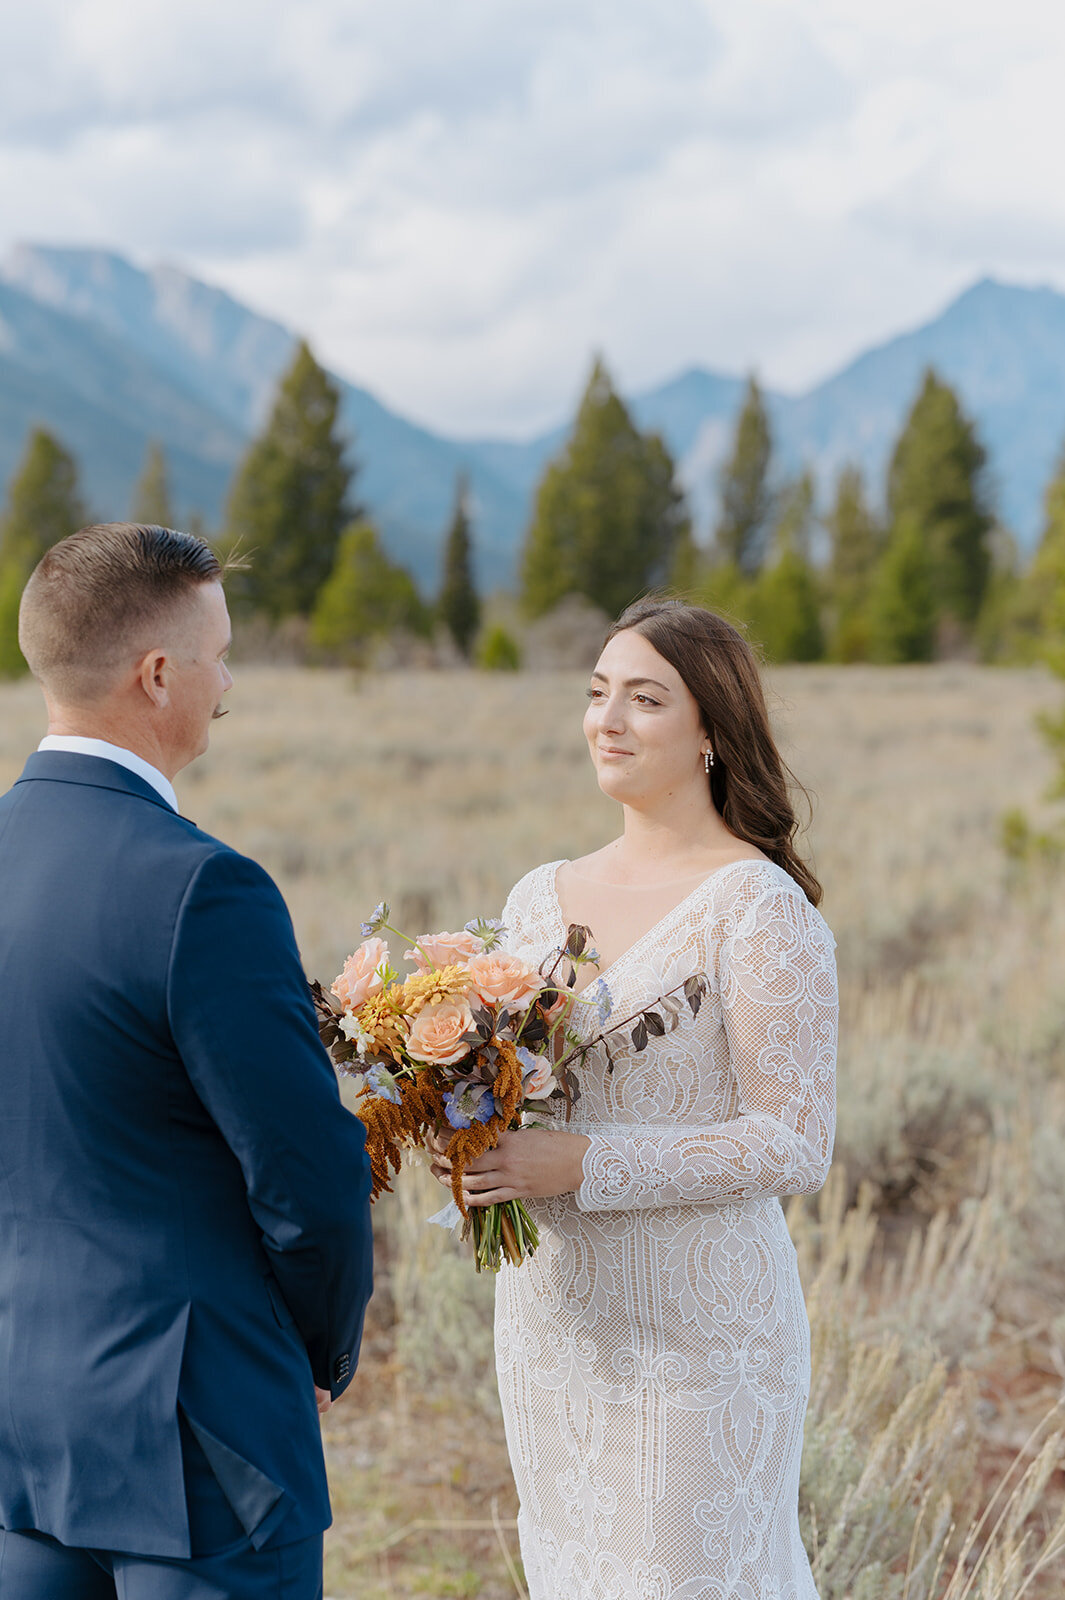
{"x": 681, "y": 905}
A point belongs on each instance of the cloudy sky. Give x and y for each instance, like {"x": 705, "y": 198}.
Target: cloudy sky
{"x": 459, "y": 202}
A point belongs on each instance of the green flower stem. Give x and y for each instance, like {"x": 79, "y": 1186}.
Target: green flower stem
{"x": 489, "y": 1227}
{"x": 386, "y": 927}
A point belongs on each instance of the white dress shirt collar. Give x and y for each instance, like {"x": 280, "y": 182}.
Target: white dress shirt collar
{"x": 74, "y": 744}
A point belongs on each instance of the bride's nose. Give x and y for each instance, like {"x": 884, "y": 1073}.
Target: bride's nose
{"x": 612, "y": 714}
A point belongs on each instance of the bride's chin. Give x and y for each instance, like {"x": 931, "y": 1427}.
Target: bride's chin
{"x": 614, "y": 785}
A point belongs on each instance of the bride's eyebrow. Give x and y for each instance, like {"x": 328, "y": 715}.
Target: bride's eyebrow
{"x": 634, "y": 683}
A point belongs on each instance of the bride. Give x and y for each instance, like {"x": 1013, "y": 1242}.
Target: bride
{"x": 653, "y": 1355}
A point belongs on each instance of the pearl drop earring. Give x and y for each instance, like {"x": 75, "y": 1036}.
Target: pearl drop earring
{"x": 708, "y": 760}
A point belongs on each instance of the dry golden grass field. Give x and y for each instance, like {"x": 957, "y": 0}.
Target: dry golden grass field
{"x": 934, "y": 1261}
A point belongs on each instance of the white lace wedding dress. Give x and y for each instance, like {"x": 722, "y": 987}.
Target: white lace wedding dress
{"x": 653, "y": 1356}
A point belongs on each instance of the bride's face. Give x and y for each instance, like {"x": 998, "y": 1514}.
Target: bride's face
{"x": 643, "y": 725}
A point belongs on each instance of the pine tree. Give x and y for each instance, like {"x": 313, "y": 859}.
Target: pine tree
{"x": 459, "y": 606}
{"x": 1047, "y": 576}
{"x": 936, "y": 477}
{"x": 1026, "y": 629}
{"x": 44, "y": 504}
{"x": 723, "y": 588}
{"x": 784, "y": 604}
{"x": 366, "y": 596}
{"x": 685, "y": 568}
{"x": 607, "y": 513}
{"x": 999, "y": 631}
{"x": 12, "y": 661}
{"x": 1040, "y": 613}
{"x": 856, "y": 544}
{"x": 151, "y": 494}
{"x": 785, "y": 611}
{"x": 741, "y": 534}
{"x": 498, "y": 651}
{"x": 902, "y": 602}
{"x": 794, "y": 524}
{"x": 289, "y": 501}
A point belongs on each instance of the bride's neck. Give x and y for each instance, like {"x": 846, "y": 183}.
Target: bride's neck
{"x": 671, "y": 832}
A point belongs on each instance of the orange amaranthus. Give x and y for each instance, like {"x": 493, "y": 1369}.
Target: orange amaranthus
{"x": 390, "y": 1127}
{"x": 469, "y": 1143}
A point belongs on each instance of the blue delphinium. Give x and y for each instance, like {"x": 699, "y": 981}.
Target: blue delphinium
{"x": 381, "y": 1083}
{"x": 467, "y": 1103}
{"x": 378, "y": 919}
{"x": 489, "y": 930}
{"x": 601, "y": 998}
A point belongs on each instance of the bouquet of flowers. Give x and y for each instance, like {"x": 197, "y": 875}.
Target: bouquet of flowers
{"x": 473, "y": 1040}
{"x": 466, "y": 1041}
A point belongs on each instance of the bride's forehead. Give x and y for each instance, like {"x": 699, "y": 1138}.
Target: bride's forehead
{"x": 629, "y": 652}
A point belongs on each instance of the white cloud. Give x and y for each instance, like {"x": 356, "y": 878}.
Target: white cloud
{"x": 459, "y": 203}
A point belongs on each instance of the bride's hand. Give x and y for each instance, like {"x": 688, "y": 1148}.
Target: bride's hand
{"x": 528, "y": 1164}
{"x": 436, "y": 1144}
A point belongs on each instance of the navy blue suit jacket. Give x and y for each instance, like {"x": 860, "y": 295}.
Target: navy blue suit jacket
{"x": 184, "y": 1201}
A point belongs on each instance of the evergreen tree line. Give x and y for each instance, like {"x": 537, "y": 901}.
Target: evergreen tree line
{"x": 906, "y": 583}
{"x": 924, "y": 572}
{"x": 298, "y": 543}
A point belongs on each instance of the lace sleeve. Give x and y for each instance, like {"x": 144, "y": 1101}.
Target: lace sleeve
{"x": 779, "y": 1009}
{"x": 528, "y": 909}
{"x": 515, "y": 920}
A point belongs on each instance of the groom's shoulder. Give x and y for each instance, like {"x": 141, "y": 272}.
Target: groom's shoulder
{"x": 204, "y": 855}
{"x": 214, "y": 869}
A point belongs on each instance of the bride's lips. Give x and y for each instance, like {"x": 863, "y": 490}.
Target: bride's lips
{"x": 610, "y": 750}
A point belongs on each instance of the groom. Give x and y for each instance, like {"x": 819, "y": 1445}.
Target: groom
{"x": 185, "y": 1250}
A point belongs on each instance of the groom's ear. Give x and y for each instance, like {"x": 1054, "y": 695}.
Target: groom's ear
{"x": 154, "y": 674}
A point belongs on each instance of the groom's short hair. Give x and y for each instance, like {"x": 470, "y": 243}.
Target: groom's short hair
{"x": 94, "y": 600}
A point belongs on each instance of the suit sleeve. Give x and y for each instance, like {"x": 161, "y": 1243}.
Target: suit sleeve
{"x": 242, "y": 1018}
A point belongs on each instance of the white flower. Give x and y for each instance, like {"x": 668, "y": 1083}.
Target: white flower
{"x": 353, "y": 1030}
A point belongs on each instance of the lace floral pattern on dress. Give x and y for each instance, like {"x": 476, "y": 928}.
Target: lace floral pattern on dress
{"x": 653, "y": 1356}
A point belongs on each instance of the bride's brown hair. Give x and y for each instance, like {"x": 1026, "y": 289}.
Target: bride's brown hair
{"x": 748, "y": 779}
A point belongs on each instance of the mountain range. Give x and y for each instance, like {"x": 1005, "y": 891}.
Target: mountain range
{"x": 109, "y": 355}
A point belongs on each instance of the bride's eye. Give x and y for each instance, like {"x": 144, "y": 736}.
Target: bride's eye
{"x": 593, "y": 694}
{"x": 645, "y": 700}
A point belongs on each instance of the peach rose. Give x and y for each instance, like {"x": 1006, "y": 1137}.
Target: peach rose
{"x": 443, "y": 950}
{"x": 552, "y": 1012}
{"x": 539, "y": 1083}
{"x": 500, "y": 979}
{"x": 436, "y": 1033}
{"x": 361, "y": 976}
